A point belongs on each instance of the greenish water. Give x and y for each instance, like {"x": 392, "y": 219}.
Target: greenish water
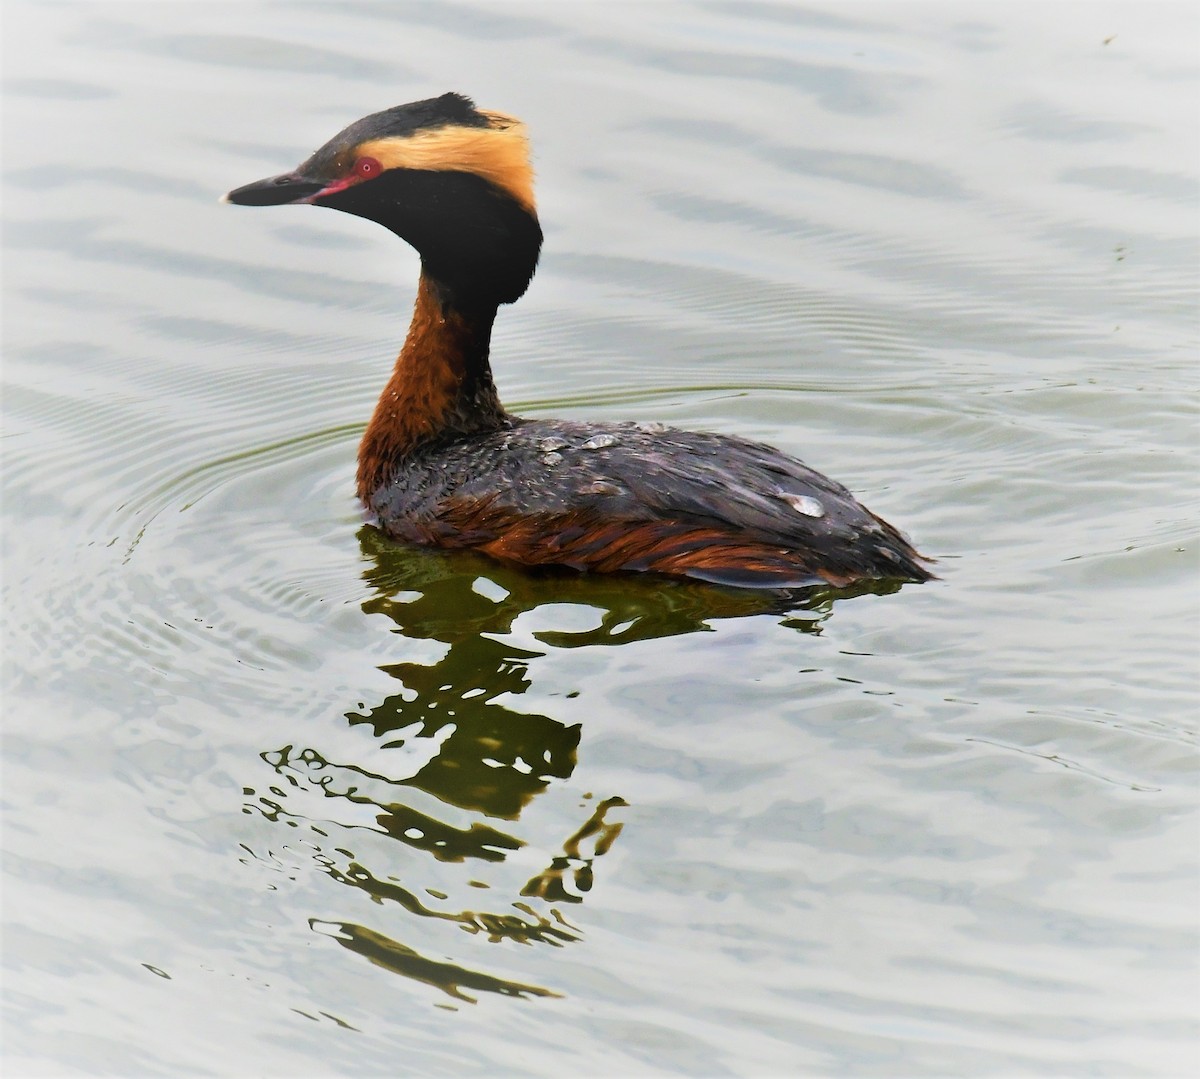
{"x": 280, "y": 798}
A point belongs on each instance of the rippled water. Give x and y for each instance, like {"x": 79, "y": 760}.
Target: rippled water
{"x": 281, "y": 798}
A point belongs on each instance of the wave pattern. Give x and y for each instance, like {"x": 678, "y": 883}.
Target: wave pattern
{"x": 264, "y": 767}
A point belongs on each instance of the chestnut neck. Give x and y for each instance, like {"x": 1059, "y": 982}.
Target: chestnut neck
{"x": 441, "y": 386}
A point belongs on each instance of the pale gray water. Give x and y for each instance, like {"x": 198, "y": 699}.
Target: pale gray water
{"x": 275, "y": 792}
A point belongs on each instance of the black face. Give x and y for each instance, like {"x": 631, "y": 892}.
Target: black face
{"x": 474, "y": 239}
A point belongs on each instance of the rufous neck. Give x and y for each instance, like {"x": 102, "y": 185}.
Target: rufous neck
{"x": 441, "y": 386}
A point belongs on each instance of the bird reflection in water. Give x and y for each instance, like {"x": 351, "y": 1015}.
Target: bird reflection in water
{"x": 485, "y": 760}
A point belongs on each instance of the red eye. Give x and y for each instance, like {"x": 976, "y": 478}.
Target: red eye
{"x": 366, "y": 168}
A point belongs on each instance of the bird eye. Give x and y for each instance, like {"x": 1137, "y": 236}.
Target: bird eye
{"x": 366, "y": 168}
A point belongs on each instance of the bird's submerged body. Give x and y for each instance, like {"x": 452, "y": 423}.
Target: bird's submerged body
{"x": 442, "y": 463}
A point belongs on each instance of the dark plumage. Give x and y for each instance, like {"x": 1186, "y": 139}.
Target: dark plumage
{"x": 443, "y": 463}
{"x": 710, "y": 506}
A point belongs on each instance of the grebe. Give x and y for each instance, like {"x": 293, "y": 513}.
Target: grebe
{"x": 441, "y": 461}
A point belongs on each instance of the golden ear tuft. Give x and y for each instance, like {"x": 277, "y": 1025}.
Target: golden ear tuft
{"x": 499, "y": 153}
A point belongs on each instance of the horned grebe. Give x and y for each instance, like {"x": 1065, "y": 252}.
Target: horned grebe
{"x": 442, "y": 462}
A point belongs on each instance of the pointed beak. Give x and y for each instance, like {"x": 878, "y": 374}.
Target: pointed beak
{"x": 275, "y": 191}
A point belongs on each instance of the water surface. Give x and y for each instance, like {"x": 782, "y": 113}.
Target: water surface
{"x": 279, "y": 792}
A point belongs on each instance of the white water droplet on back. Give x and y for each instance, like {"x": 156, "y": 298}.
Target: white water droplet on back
{"x": 805, "y": 504}
{"x": 600, "y": 487}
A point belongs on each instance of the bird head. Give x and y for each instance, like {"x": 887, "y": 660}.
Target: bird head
{"x": 452, "y": 180}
